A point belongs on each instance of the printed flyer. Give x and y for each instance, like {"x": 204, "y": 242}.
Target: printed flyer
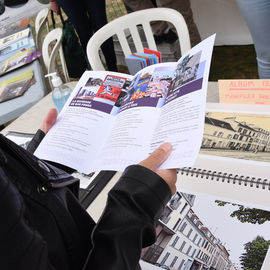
{"x": 16, "y": 86}
{"x": 113, "y": 120}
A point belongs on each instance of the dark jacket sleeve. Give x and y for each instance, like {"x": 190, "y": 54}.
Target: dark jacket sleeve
{"x": 20, "y": 245}
{"x": 128, "y": 222}
{"x": 34, "y": 143}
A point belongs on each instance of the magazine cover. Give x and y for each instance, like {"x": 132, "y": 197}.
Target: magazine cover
{"x": 18, "y": 59}
{"x": 16, "y": 86}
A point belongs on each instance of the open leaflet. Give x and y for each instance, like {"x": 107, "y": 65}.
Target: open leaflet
{"x": 112, "y": 120}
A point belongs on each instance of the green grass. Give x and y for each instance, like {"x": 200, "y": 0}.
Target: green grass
{"x": 115, "y": 9}
{"x": 233, "y": 62}
{"x": 229, "y": 62}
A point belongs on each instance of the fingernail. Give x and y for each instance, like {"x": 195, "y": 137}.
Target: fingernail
{"x": 166, "y": 147}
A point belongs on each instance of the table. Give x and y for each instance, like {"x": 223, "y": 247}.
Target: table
{"x": 13, "y": 108}
{"x": 30, "y": 121}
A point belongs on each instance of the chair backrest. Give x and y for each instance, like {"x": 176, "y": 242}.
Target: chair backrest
{"x": 40, "y": 22}
{"x": 49, "y": 56}
{"x": 130, "y": 21}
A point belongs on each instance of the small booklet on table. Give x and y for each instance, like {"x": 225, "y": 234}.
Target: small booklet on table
{"x": 137, "y": 61}
{"x": 16, "y": 86}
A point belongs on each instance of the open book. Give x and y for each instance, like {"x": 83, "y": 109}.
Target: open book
{"x": 234, "y": 159}
{"x": 113, "y": 120}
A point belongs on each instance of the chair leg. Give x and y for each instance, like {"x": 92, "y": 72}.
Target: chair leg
{"x": 64, "y": 66}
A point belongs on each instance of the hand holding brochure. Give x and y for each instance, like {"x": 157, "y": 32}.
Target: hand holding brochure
{"x": 113, "y": 120}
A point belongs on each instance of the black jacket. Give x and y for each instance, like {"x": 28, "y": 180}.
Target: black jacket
{"x": 46, "y": 228}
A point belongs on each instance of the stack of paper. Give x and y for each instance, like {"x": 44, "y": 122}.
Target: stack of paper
{"x": 137, "y": 61}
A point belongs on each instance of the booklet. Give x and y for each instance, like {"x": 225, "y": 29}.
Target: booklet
{"x": 18, "y": 59}
{"x": 16, "y": 86}
{"x": 13, "y": 27}
{"x": 18, "y": 52}
{"x": 137, "y": 61}
{"x": 113, "y": 120}
{"x": 14, "y": 37}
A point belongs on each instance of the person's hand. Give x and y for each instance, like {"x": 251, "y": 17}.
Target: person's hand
{"x": 54, "y": 6}
{"x": 156, "y": 159}
{"x": 49, "y": 120}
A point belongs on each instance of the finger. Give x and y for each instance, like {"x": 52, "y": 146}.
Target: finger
{"x": 157, "y": 157}
{"x": 49, "y": 120}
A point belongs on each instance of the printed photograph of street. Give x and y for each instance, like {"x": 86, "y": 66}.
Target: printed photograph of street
{"x": 199, "y": 232}
{"x": 237, "y": 135}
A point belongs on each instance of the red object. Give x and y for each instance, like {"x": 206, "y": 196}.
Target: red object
{"x": 157, "y": 53}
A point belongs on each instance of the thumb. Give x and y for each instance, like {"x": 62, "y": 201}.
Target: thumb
{"x": 157, "y": 157}
{"x": 49, "y": 120}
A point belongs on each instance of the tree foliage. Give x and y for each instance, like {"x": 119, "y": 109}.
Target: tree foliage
{"x": 255, "y": 251}
{"x": 250, "y": 215}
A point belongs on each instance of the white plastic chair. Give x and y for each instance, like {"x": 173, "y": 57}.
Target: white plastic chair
{"x": 49, "y": 57}
{"x": 130, "y": 21}
{"x": 40, "y": 21}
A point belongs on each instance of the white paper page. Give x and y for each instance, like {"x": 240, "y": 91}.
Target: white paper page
{"x": 129, "y": 141}
{"x": 68, "y": 141}
{"x": 88, "y": 113}
{"x": 182, "y": 117}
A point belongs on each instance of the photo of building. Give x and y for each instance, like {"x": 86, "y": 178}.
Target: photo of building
{"x": 190, "y": 237}
{"x": 237, "y": 135}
